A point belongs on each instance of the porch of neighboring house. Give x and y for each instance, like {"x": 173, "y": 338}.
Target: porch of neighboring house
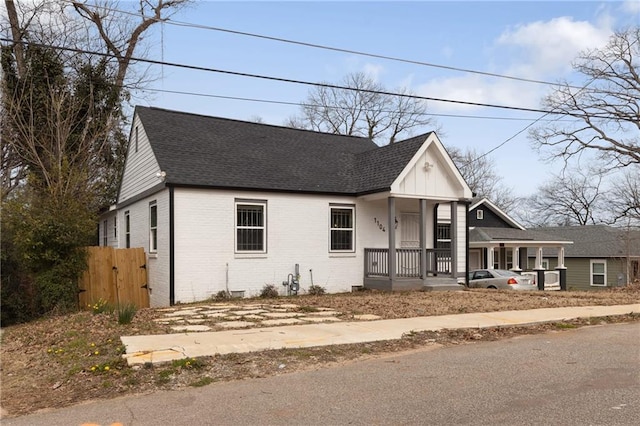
{"x": 513, "y": 256}
{"x": 424, "y": 257}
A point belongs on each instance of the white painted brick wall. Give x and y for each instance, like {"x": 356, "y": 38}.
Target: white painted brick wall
{"x": 157, "y": 264}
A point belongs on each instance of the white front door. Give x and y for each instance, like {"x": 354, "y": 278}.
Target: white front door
{"x": 409, "y": 230}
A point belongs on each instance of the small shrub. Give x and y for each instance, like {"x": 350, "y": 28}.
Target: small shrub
{"x": 222, "y": 295}
{"x": 269, "y": 291}
{"x": 316, "y": 290}
{"x": 100, "y": 307}
{"x": 188, "y": 363}
{"x": 202, "y": 382}
{"x": 126, "y": 313}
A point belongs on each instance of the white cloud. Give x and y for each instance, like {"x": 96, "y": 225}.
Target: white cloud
{"x": 538, "y": 50}
{"x": 373, "y": 71}
{"x": 631, "y": 6}
{"x": 547, "y": 48}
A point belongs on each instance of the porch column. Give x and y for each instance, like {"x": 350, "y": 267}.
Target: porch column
{"x": 539, "y": 269}
{"x": 515, "y": 256}
{"x": 391, "y": 226}
{"x": 454, "y": 239}
{"x": 562, "y": 270}
{"x": 423, "y": 240}
{"x": 490, "y": 255}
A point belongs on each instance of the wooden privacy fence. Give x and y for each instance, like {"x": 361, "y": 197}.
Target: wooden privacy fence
{"x": 117, "y": 276}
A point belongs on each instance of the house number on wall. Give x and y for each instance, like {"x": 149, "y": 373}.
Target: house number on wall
{"x": 380, "y": 225}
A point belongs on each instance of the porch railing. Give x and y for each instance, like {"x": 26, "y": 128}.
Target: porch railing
{"x": 376, "y": 262}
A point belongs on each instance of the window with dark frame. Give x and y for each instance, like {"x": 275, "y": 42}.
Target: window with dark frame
{"x": 105, "y": 239}
{"x": 153, "y": 227}
{"x": 443, "y": 236}
{"x": 251, "y": 227}
{"x": 342, "y": 229}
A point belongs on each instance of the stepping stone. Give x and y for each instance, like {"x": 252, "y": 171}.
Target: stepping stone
{"x": 251, "y": 312}
{"x": 196, "y": 320}
{"x": 191, "y": 328}
{"x": 169, "y": 319}
{"x": 366, "y": 317}
{"x": 217, "y": 315}
{"x": 166, "y": 309}
{"x": 282, "y": 314}
{"x": 325, "y": 309}
{"x": 286, "y": 306}
{"x": 253, "y": 317}
{"x": 182, "y": 313}
{"x": 323, "y": 313}
{"x": 251, "y": 306}
{"x": 320, "y": 319}
{"x": 220, "y": 306}
{"x": 283, "y": 321}
{"x": 215, "y": 311}
{"x": 234, "y": 324}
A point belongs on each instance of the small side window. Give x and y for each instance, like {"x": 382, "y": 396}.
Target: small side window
{"x": 153, "y": 227}
{"x": 479, "y": 214}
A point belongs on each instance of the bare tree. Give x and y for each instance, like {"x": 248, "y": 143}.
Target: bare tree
{"x": 89, "y": 26}
{"x": 478, "y": 170}
{"x": 573, "y": 197}
{"x": 361, "y": 110}
{"x": 607, "y": 109}
{"x": 623, "y": 198}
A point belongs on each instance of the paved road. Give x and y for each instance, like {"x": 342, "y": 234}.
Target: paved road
{"x": 578, "y": 377}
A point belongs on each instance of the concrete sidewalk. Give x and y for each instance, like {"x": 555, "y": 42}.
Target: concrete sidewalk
{"x": 167, "y": 347}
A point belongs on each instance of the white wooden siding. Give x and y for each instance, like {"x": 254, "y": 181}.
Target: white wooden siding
{"x": 141, "y": 167}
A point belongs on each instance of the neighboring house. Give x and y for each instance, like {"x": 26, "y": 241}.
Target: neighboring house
{"x": 221, "y": 204}
{"x": 601, "y": 256}
{"x": 497, "y": 241}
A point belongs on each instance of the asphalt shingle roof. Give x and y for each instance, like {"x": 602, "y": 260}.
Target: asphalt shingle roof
{"x": 597, "y": 240}
{"x": 198, "y": 150}
{"x": 482, "y": 234}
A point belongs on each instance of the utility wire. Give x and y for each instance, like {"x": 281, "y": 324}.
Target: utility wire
{"x": 304, "y": 104}
{"x": 286, "y": 80}
{"x": 325, "y": 47}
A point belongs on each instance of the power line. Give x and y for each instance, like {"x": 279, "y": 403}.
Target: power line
{"x": 170, "y": 21}
{"x": 303, "y": 104}
{"x": 282, "y": 79}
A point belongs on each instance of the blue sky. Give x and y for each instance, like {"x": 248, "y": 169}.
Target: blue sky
{"x": 534, "y": 40}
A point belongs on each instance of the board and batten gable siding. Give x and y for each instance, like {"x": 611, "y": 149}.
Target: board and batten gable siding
{"x": 157, "y": 263}
{"x": 297, "y": 233}
{"x": 432, "y": 175}
{"x": 489, "y": 218}
{"x": 141, "y": 167}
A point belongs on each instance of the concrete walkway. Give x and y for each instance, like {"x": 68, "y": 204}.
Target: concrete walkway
{"x": 167, "y": 347}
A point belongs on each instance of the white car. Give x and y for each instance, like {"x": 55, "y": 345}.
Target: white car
{"x": 499, "y": 279}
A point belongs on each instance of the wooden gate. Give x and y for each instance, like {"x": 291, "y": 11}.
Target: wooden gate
{"x": 117, "y": 276}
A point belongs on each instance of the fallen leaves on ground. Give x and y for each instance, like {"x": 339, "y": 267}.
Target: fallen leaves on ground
{"x": 62, "y": 360}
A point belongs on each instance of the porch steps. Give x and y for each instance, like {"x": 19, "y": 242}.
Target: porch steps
{"x": 442, "y": 284}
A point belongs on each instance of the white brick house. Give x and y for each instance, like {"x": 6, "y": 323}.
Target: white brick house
{"x": 221, "y": 204}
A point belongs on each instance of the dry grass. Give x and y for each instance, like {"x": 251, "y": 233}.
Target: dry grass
{"x": 63, "y": 360}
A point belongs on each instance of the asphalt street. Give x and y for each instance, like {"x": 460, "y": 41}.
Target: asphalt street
{"x": 587, "y": 376}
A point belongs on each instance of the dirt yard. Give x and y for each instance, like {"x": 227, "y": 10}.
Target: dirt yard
{"x": 63, "y": 360}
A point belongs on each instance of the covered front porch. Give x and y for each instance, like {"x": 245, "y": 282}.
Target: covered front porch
{"x": 424, "y": 244}
{"x": 503, "y": 248}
